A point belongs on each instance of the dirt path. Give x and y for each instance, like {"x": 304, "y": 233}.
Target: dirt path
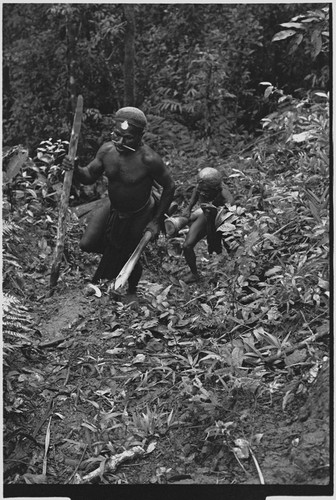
{"x": 151, "y": 375}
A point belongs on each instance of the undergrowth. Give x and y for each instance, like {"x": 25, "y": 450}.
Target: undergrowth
{"x": 258, "y": 321}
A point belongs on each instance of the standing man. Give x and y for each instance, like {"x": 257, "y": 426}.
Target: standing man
{"x": 131, "y": 168}
{"x": 211, "y": 193}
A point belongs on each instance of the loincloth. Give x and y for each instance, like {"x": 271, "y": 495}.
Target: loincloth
{"x": 123, "y": 232}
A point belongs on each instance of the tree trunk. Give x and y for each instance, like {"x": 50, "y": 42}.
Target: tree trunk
{"x": 208, "y": 126}
{"x": 71, "y": 61}
{"x": 129, "y": 92}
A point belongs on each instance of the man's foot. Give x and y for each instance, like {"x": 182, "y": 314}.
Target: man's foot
{"x": 192, "y": 278}
{"x": 130, "y": 297}
{"x": 114, "y": 295}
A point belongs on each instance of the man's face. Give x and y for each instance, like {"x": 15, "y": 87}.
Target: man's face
{"x": 206, "y": 192}
{"x": 126, "y": 137}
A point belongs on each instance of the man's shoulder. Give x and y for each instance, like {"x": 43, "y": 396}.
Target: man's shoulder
{"x": 107, "y": 147}
{"x": 149, "y": 156}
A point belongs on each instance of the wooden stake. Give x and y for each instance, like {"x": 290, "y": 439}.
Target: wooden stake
{"x": 64, "y": 202}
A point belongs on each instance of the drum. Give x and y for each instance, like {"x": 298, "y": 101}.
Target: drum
{"x": 174, "y": 224}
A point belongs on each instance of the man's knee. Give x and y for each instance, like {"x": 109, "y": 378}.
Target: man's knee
{"x": 188, "y": 245}
{"x": 191, "y": 240}
{"x": 84, "y": 245}
{"x": 89, "y": 245}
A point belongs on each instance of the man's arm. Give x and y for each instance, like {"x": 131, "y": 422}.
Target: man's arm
{"x": 162, "y": 176}
{"x": 167, "y": 195}
{"x": 192, "y": 203}
{"x": 88, "y": 174}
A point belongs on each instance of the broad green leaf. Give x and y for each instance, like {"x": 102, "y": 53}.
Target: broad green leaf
{"x": 282, "y": 35}
{"x": 295, "y": 42}
{"x": 292, "y": 25}
{"x": 15, "y": 164}
{"x": 268, "y": 92}
{"x": 311, "y": 20}
{"x": 226, "y": 227}
{"x": 45, "y": 157}
{"x": 303, "y": 136}
{"x": 316, "y": 41}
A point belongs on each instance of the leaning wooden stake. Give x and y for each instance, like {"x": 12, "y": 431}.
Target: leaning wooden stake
{"x": 64, "y": 202}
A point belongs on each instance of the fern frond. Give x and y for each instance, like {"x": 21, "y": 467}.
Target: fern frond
{"x": 8, "y": 227}
{"x": 17, "y": 316}
{"x": 7, "y": 348}
{"x": 9, "y": 302}
{"x": 15, "y": 324}
{"x": 18, "y": 335}
{"x": 12, "y": 304}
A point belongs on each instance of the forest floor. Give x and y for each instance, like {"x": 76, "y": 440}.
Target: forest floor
{"x": 104, "y": 376}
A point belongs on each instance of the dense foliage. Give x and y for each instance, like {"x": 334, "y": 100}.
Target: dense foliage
{"x": 199, "y": 65}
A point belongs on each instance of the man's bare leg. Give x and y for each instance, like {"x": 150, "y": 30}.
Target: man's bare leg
{"x": 196, "y": 232}
{"x": 93, "y": 237}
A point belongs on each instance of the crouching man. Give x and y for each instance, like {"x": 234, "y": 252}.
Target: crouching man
{"x": 211, "y": 193}
{"x": 132, "y": 168}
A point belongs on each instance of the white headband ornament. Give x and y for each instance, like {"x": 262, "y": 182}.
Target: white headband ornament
{"x": 124, "y": 125}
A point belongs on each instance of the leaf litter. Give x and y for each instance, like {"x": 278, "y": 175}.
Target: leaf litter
{"x": 205, "y": 383}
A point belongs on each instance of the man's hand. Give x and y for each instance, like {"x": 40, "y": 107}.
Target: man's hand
{"x": 208, "y": 207}
{"x": 154, "y": 228}
{"x": 209, "y": 210}
{"x": 186, "y": 213}
{"x": 67, "y": 164}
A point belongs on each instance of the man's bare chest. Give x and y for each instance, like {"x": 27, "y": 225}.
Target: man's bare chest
{"x": 126, "y": 170}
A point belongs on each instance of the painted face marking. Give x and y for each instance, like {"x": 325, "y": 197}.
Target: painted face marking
{"x": 124, "y": 125}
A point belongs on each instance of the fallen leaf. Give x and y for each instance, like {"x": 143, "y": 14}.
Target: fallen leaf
{"x": 115, "y": 333}
{"x": 116, "y": 350}
{"x": 241, "y": 452}
{"x": 297, "y": 356}
{"x": 59, "y": 415}
{"x": 139, "y": 358}
{"x": 151, "y": 447}
{"x": 257, "y": 438}
{"x": 89, "y": 426}
{"x": 35, "y": 478}
{"x": 207, "y": 309}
